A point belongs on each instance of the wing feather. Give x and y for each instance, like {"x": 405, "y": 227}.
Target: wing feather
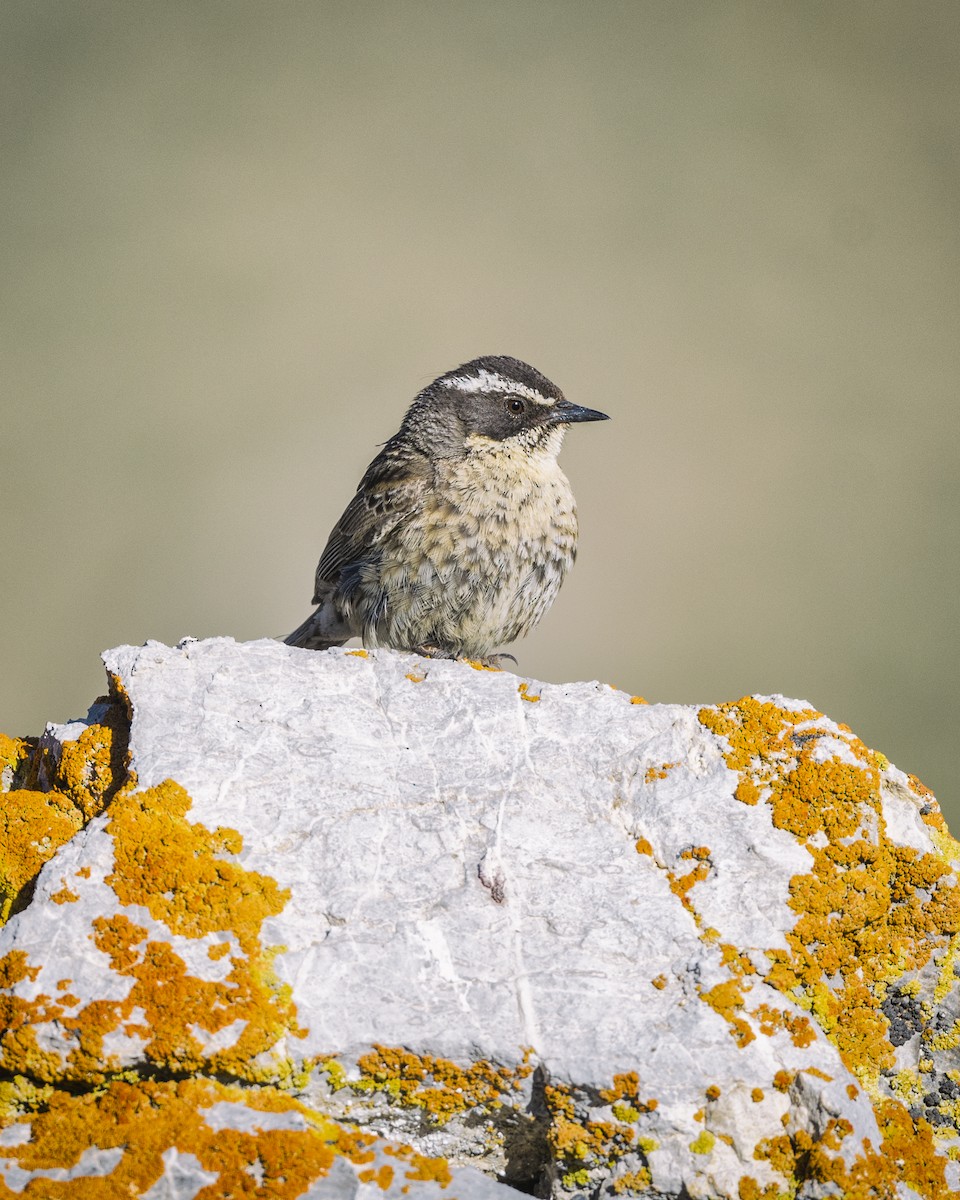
{"x": 390, "y": 493}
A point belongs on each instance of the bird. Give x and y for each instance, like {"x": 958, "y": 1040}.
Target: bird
{"x": 462, "y": 528}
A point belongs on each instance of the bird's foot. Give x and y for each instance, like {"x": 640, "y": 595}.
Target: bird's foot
{"x": 491, "y": 662}
{"x": 428, "y": 650}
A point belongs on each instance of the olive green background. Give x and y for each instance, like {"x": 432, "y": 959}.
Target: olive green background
{"x": 238, "y": 238}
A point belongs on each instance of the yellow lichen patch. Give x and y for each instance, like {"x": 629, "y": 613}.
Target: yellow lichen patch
{"x": 907, "y": 1157}
{"x": 659, "y": 982}
{"x": 747, "y": 792}
{"x": 526, "y": 695}
{"x": 148, "y": 1118}
{"x": 749, "y": 1189}
{"x": 382, "y": 1176}
{"x": 52, "y": 798}
{"x": 20, "y": 1049}
{"x": 869, "y": 910}
{"x": 180, "y": 873}
{"x": 14, "y": 968}
{"x": 727, "y": 1000}
{"x": 93, "y": 767}
{"x": 644, "y": 847}
{"x": 631, "y": 1182}
{"x": 652, "y": 774}
{"x": 580, "y": 1144}
{"x": 681, "y": 884}
{"x": 64, "y": 896}
{"x": 357, "y": 654}
{"x": 772, "y": 1020}
{"x": 736, "y": 961}
{"x": 703, "y": 1143}
{"x": 427, "y": 1169}
{"x": 183, "y": 875}
{"x": 637, "y": 700}
{"x": 33, "y": 826}
{"x": 438, "y": 1086}
{"x": 415, "y": 678}
{"x": 13, "y": 751}
{"x": 625, "y": 1095}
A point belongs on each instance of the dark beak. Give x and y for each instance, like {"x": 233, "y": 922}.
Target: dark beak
{"x": 565, "y": 413}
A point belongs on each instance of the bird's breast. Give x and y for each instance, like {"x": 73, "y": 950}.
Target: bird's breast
{"x": 507, "y": 500}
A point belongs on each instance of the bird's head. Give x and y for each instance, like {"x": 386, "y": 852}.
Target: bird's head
{"x": 490, "y": 401}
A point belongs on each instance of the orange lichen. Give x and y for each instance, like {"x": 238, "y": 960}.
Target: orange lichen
{"x": 643, "y": 846}
{"x": 868, "y": 910}
{"x": 53, "y": 795}
{"x": 772, "y": 1020}
{"x": 33, "y": 826}
{"x": 147, "y": 1118}
{"x": 747, "y": 792}
{"x": 93, "y": 767}
{"x": 712, "y": 1092}
{"x": 906, "y": 1157}
{"x": 13, "y": 751}
{"x": 183, "y": 875}
{"x": 652, "y": 774}
{"x": 525, "y": 694}
{"x": 637, "y": 700}
{"x": 438, "y": 1086}
{"x": 735, "y": 960}
{"x": 727, "y": 1000}
{"x": 580, "y": 1144}
{"x": 626, "y": 1093}
{"x": 749, "y": 1189}
{"x": 632, "y": 1181}
{"x": 64, "y": 896}
{"x": 659, "y": 982}
{"x": 415, "y": 678}
{"x": 680, "y": 885}
{"x": 427, "y": 1169}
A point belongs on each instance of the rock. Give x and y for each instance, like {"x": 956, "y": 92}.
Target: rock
{"x": 344, "y": 923}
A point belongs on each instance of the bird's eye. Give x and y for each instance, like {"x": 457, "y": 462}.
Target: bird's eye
{"x": 515, "y": 406}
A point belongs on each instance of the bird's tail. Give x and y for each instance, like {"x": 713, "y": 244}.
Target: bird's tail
{"x": 316, "y": 634}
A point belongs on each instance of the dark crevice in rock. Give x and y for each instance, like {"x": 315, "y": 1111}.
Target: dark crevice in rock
{"x": 526, "y": 1145}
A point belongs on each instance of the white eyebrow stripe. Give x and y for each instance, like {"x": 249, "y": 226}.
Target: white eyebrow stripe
{"x": 490, "y": 381}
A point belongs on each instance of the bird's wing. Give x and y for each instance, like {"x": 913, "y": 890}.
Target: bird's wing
{"x": 390, "y": 493}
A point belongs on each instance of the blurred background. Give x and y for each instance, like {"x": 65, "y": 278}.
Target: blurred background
{"x": 239, "y": 237}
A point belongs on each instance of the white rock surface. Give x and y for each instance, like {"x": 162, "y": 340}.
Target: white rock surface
{"x": 461, "y": 853}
